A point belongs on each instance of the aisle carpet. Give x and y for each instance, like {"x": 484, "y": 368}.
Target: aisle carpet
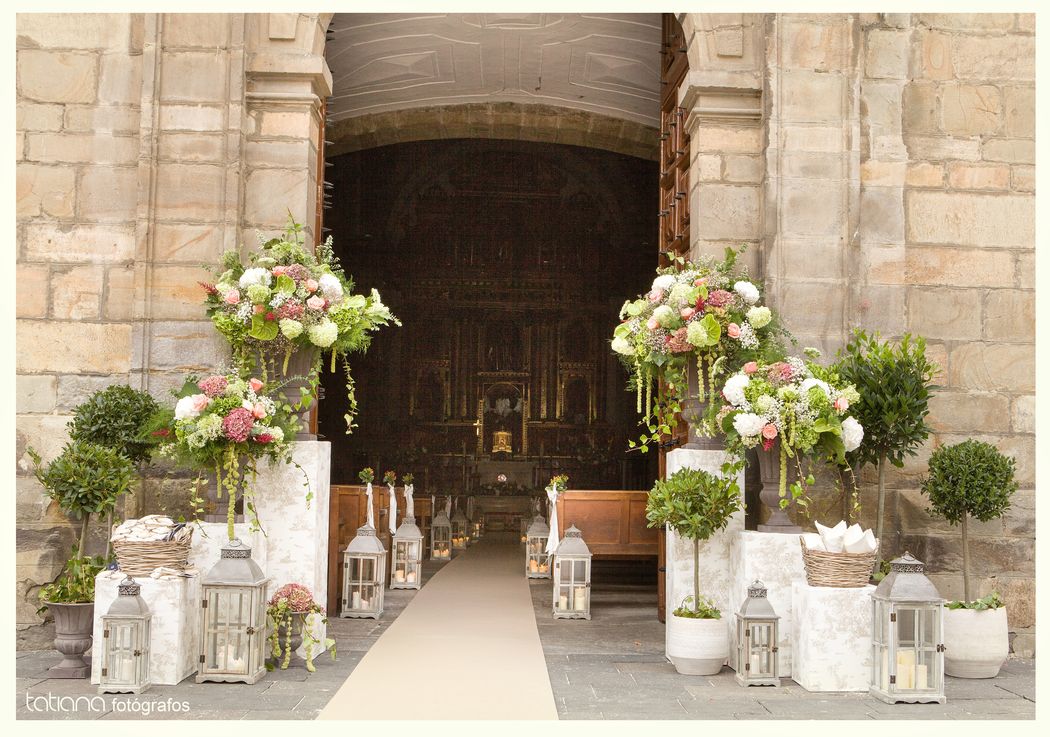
{"x": 466, "y": 647}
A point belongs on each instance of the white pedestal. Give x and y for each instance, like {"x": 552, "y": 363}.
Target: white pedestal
{"x": 715, "y": 578}
{"x": 776, "y": 560}
{"x": 175, "y": 603}
{"x": 832, "y": 638}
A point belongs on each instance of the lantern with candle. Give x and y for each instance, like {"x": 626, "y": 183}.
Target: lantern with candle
{"x": 364, "y": 571}
{"x": 537, "y": 563}
{"x": 125, "y": 642}
{"x": 407, "y": 570}
{"x": 907, "y": 650}
{"x": 756, "y": 639}
{"x": 440, "y": 536}
{"x": 233, "y": 618}
{"x": 572, "y": 577}
{"x": 459, "y": 530}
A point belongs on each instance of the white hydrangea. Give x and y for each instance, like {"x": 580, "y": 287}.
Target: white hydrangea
{"x": 664, "y": 282}
{"x": 809, "y": 383}
{"x": 330, "y": 287}
{"x": 255, "y": 275}
{"x": 748, "y": 424}
{"x": 324, "y": 333}
{"x": 664, "y": 315}
{"x": 186, "y": 408}
{"x": 277, "y": 433}
{"x": 759, "y": 317}
{"x": 623, "y": 346}
{"x": 747, "y": 291}
{"x": 852, "y": 434}
{"x": 734, "y": 389}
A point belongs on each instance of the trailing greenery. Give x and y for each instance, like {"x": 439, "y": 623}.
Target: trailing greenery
{"x": 703, "y": 608}
{"x": 895, "y": 383}
{"x": 969, "y": 479}
{"x": 291, "y": 607}
{"x": 115, "y": 417}
{"x": 76, "y": 584}
{"x": 695, "y": 504}
{"x": 992, "y": 601}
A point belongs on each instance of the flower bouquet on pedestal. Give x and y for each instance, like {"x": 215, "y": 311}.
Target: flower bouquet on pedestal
{"x": 789, "y": 408}
{"x": 284, "y": 308}
{"x": 224, "y": 424}
{"x": 288, "y": 614}
{"x": 698, "y": 321}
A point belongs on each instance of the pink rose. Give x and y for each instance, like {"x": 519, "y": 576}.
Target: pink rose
{"x": 841, "y": 404}
{"x": 255, "y": 384}
{"x": 311, "y": 285}
{"x": 232, "y": 297}
{"x": 258, "y": 309}
{"x": 278, "y": 271}
{"x": 656, "y": 295}
{"x": 653, "y": 323}
{"x": 750, "y": 367}
{"x": 258, "y": 411}
{"x": 733, "y": 330}
{"x": 686, "y": 312}
{"x": 315, "y": 303}
{"x": 699, "y": 282}
{"x": 769, "y": 431}
{"x": 200, "y": 402}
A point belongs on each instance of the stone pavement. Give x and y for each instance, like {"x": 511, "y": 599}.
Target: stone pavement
{"x": 613, "y": 667}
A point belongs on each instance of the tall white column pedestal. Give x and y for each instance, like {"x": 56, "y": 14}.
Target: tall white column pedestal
{"x": 831, "y": 631}
{"x": 175, "y": 603}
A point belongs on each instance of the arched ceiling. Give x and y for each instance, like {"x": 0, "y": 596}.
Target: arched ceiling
{"x": 603, "y": 63}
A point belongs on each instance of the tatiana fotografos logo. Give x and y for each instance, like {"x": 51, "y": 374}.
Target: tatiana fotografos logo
{"x": 88, "y": 705}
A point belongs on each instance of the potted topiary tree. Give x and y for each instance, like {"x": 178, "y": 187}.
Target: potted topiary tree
{"x": 972, "y": 479}
{"x": 696, "y": 504}
{"x": 895, "y": 384}
{"x": 85, "y": 479}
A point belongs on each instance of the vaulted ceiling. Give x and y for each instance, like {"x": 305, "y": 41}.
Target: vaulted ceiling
{"x": 603, "y": 63}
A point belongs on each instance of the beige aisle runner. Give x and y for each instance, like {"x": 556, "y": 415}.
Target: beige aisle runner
{"x": 466, "y": 647}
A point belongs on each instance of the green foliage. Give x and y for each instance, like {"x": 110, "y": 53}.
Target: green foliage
{"x": 85, "y": 478}
{"x": 971, "y": 478}
{"x": 115, "y": 417}
{"x": 884, "y": 570}
{"x": 76, "y": 584}
{"x": 992, "y": 601}
{"x": 694, "y": 503}
{"x": 703, "y": 608}
{"x": 895, "y": 385}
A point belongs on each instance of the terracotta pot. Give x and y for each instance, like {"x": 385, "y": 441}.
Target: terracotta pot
{"x": 73, "y": 628}
{"x": 694, "y": 406}
{"x": 976, "y": 643}
{"x": 697, "y": 647}
{"x": 769, "y": 469}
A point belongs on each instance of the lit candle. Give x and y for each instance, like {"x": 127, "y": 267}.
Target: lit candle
{"x": 534, "y": 566}
{"x": 410, "y": 577}
{"x": 399, "y": 576}
{"x": 563, "y": 602}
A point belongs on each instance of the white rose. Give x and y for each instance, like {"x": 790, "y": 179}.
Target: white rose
{"x": 734, "y": 388}
{"x": 852, "y": 434}
{"x": 808, "y": 384}
{"x": 748, "y": 424}
{"x": 255, "y": 275}
{"x": 747, "y": 291}
{"x": 185, "y": 409}
{"x": 663, "y": 282}
{"x": 331, "y": 287}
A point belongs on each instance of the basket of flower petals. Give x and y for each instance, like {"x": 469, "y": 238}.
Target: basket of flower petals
{"x": 840, "y": 556}
{"x": 155, "y": 541}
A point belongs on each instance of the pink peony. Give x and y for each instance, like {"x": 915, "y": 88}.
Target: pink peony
{"x": 719, "y": 298}
{"x": 750, "y": 367}
{"x": 841, "y": 404}
{"x": 315, "y": 303}
{"x": 232, "y": 297}
{"x": 686, "y": 312}
{"x": 734, "y": 330}
{"x": 255, "y": 384}
{"x": 290, "y": 311}
{"x": 656, "y": 295}
{"x": 258, "y": 411}
{"x": 769, "y": 432}
{"x": 200, "y": 402}
{"x": 653, "y": 323}
{"x": 237, "y": 425}
{"x": 213, "y": 386}
{"x": 311, "y": 285}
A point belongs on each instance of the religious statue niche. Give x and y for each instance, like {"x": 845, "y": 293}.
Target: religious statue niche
{"x": 502, "y": 420}
{"x": 431, "y": 396}
{"x": 503, "y": 346}
{"x": 577, "y": 408}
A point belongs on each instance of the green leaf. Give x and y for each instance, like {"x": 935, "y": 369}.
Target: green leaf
{"x": 285, "y": 284}
{"x": 263, "y": 329}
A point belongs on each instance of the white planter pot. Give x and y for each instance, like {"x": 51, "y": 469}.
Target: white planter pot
{"x": 697, "y": 647}
{"x": 976, "y": 643}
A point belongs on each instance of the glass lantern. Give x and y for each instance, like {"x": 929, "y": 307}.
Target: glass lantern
{"x": 756, "y": 639}
{"x": 524, "y": 530}
{"x": 440, "y": 537}
{"x": 407, "y": 569}
{"x": 537, "y": 562}
{"x": 460, "y": 536}
{"x": 572, "y": 577}
{"x": 907, "y": 661}
{"x": 125, "y": 642}
{"x": 364, "y": 571}
{"x": 233, "y": 618}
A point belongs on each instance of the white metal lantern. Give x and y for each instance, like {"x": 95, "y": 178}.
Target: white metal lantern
{"x": 460, "y": 535}
{"x": 756, "y": 639}
{"x": 440, "y": 537}
{"x": 364, "y": 574}
{"x": 907, "y": 661}
{"x": 407, "y": 569}
{"x": 537, "y": 562}
{"x": 125, "y": 642}
{"x": 233, "y": 618}
{"x": 524, "y": 530}
{"x": 572, "y": 577}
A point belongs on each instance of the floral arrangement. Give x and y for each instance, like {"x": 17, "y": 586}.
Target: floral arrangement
{"x": 559, "y": 482}
{"x": 224, "y": 423}
{"x": 799, "y": 403}
{"x": 290, "y": 602}
{"x": 704, "y": 312}
{"x": 408, "y": 478}
{"x": 287, "y": 299}
{"x": 390, "y": 478}
{"x": 367, "y": 475}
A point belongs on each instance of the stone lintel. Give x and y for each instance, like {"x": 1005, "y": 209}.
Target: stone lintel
{"x": 285, "y": 72}
{"x": 721, "y": 98}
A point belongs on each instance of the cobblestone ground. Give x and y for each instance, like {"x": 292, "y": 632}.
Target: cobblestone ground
{"x": 613, "y": 667}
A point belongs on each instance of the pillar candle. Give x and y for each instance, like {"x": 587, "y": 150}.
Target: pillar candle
{"x": 906, "y": 669}
{"x": 580, "y": 598}
{"x": 920, "y": 677}
{"x": 563, "y": 602}
{"x": 355, "y": 600}
{"x": 399, "y": 576}
{"x": 410, "y": 577}
{"x": 533, "y": 565}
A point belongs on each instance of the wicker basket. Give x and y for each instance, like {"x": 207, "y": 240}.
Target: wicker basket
{"x": 838, "y": 570}
{"x": 140, "y": 558}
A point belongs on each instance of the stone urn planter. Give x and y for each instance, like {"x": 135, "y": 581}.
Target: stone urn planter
{"x": 298, "y": 376}
{"x": 298, "y": 623}
{"x": 694, "y": 406}
{"x": 73, "y": 628}
{"x": 697, "y": 647}
{"x": 976, "y": 642}
{"x": 769, "y": 470}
